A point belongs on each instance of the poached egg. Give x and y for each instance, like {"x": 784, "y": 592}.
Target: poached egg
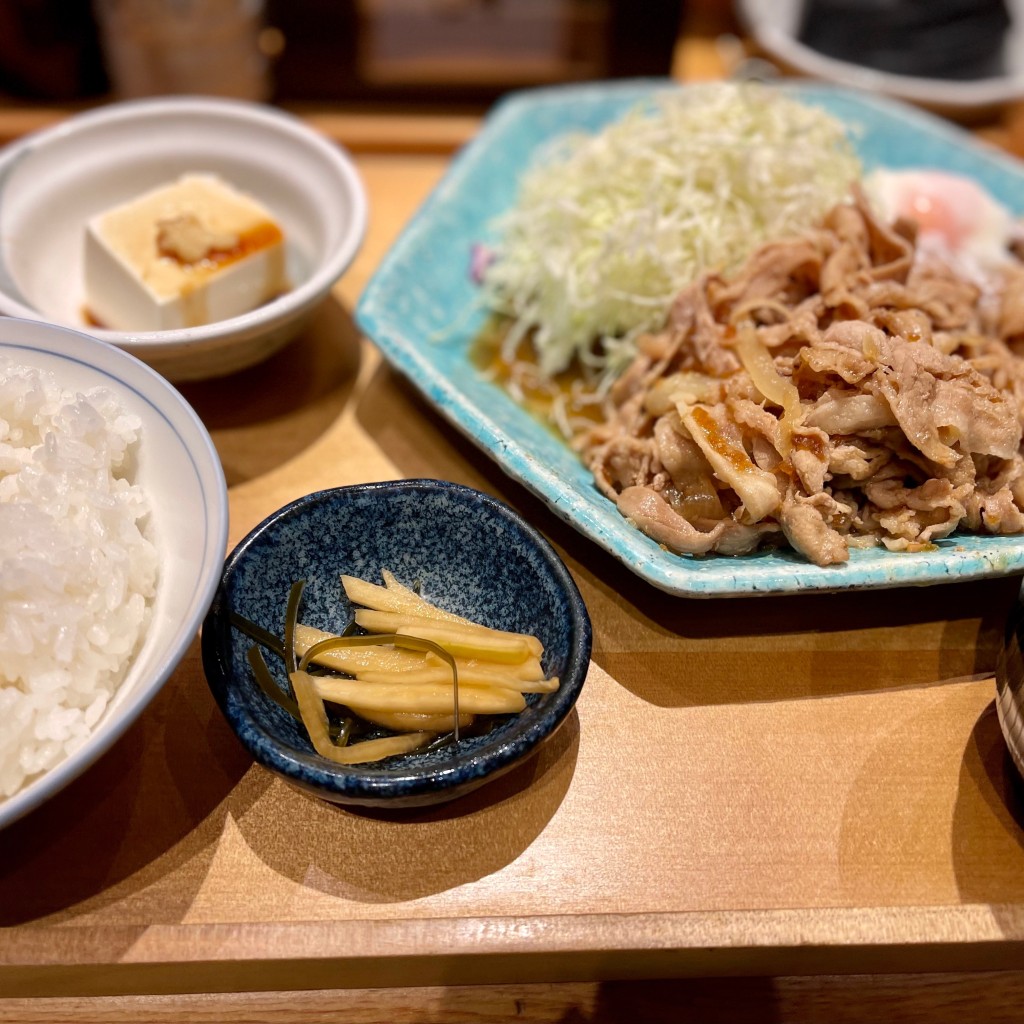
{"x": 958, "y": 220}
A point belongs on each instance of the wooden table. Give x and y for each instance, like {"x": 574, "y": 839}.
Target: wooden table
{"x": 809, "y": 793}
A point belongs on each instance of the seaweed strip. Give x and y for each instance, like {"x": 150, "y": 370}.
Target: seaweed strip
{"x": 262, "y": 636}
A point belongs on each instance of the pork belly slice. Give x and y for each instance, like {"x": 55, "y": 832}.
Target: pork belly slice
{"x": 838, "y": 414}
{"x": 653, "y": 515}
{"x": 722, "y": 444}
{"x": 804, "y": 526}
{"x": 695, "y": 496}
{"x": 944, "y": 406}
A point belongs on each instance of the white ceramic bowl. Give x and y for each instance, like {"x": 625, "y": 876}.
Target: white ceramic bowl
{"x": 52, "y": 182}
{"x": 774, "y": 25}
{"x": 179, "y": 469}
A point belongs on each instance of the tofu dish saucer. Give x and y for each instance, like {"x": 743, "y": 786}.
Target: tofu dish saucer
{"x": 199, "y": 234}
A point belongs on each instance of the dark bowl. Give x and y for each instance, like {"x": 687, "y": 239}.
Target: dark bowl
{"x": 470, "y": 554}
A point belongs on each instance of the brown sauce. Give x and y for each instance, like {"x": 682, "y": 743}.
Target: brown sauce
{"x": 720, "y": 444}
{"x": 258, "y": 238}
{"x": 810, "y": 443}
{"x": 521, "y": 377}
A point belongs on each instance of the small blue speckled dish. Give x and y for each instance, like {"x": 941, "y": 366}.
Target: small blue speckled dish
{"x": 468, "y": 552}
{"x": 423, "y": 310}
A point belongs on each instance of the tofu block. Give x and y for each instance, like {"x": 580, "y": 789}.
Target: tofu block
{"x": 182, "y": 255}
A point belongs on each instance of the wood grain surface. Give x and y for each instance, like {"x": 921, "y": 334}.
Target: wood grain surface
{"x": 788, "y": 786}
{"x": 993, "y": 997}
{"x": 809, "y": 789}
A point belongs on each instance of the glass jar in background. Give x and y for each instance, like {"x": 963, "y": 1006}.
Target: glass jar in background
{"x": 209, "y": 47}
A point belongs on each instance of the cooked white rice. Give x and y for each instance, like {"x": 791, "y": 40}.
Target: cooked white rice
{"x": 77, "y": 573}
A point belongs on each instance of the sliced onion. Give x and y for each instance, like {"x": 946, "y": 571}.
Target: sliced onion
{"x": 778, "y": 390}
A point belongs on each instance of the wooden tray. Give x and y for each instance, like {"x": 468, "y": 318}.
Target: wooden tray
{"x": 773, "y": 785}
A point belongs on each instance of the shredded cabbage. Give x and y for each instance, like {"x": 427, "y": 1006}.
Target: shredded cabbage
{"x": 609, "y": 228}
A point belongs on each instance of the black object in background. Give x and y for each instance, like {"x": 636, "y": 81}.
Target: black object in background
{"x": 954, "y": 39}
{"x": 50, "y": 50}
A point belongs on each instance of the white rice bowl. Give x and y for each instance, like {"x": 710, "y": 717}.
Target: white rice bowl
{"x": 77, "y": 573}
{"x": 113, "y": 525}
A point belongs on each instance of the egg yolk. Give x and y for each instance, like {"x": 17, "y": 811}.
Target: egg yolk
{"x": 936, "y": 214}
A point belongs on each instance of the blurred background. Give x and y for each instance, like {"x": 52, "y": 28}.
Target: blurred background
{"x": 962, "y": 58}
{"x": 379, "y": 51}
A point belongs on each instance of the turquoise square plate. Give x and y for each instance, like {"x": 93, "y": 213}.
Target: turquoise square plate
{"x": 422, "y": 310}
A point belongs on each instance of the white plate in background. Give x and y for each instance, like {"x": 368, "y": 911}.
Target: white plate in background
{"x": 774, "y": 25}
